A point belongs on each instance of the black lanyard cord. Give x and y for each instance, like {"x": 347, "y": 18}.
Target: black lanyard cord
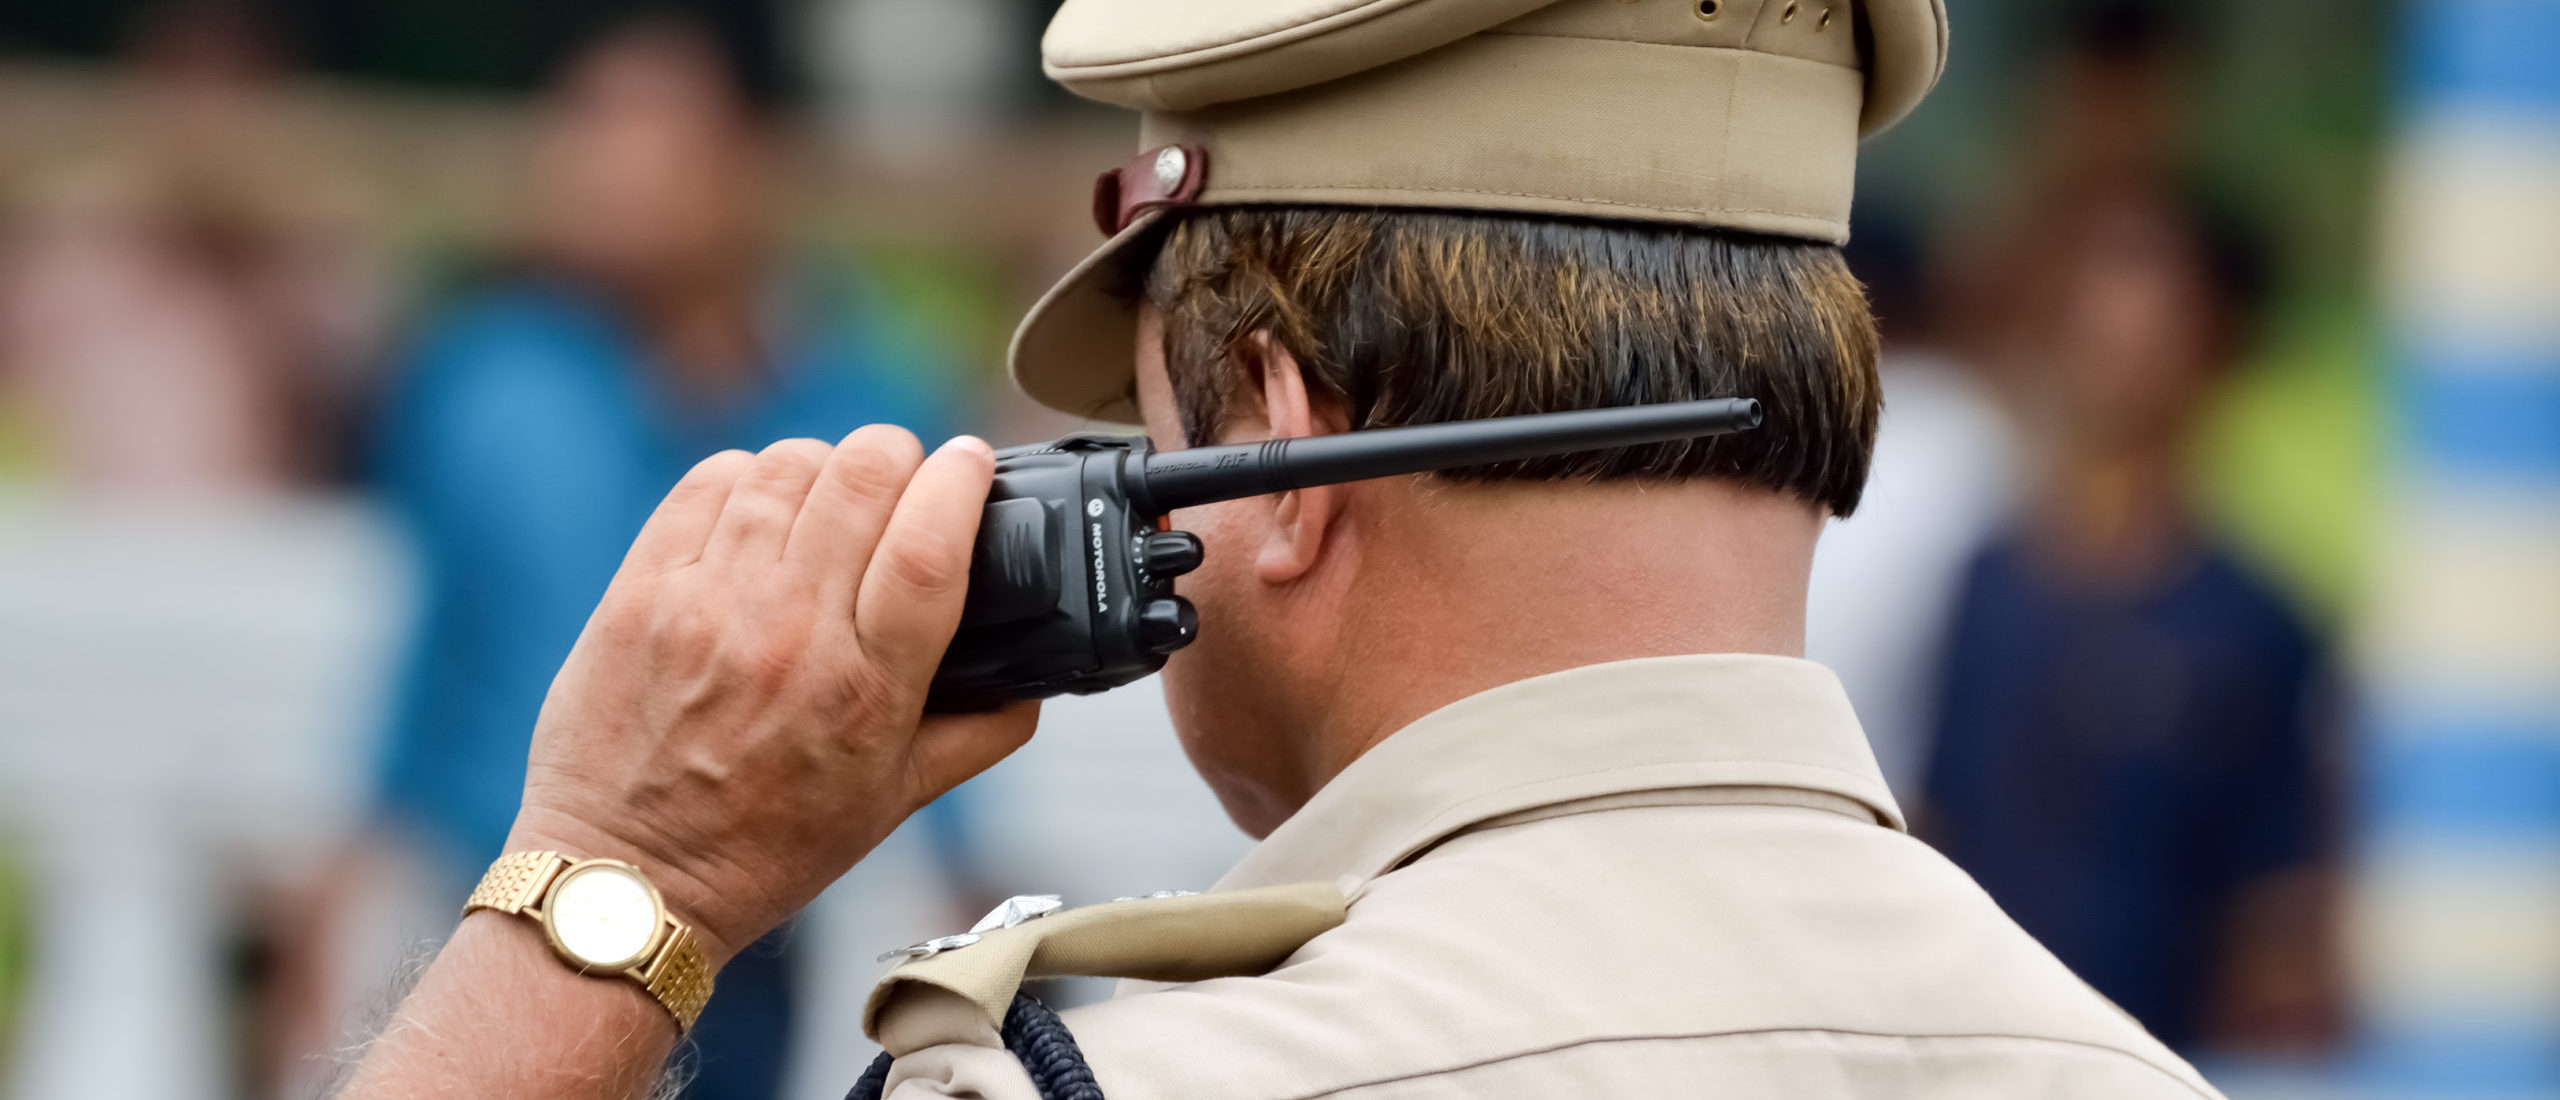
{"x": 1036, "y": 1038}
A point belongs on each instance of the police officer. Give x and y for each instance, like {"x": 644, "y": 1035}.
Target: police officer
{"x": 1547, "y": 804}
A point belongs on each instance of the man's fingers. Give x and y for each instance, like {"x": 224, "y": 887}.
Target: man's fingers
{"x": 758, "y": 516}
{"x": 849, "y": 507}
{"x": 950, "y": 749}
{"x": 909, "y": 601}
{"x": 676, "y": 532}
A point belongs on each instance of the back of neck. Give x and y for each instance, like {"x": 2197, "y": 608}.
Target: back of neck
{"x": 1463, "y": 588}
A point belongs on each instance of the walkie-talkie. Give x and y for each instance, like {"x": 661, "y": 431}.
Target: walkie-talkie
{"x": 1071, "y": 588}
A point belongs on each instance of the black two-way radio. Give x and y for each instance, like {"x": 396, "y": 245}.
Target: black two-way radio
{"x": 1071, "y": 588}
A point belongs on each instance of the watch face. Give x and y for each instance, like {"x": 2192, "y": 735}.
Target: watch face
{"x": 603, "y": 915}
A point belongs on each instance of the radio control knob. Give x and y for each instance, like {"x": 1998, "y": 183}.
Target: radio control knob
{"x": 1171, "y": 553}
{"x": 1167, "y": 624}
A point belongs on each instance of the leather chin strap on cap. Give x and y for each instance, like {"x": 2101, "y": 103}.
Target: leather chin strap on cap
{"x": 1153, "y": 180}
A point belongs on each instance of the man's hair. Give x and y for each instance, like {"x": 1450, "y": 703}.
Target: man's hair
{"x": 1418, "y": 317}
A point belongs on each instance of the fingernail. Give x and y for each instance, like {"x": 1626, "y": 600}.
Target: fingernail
{"x": 971, "y": 443}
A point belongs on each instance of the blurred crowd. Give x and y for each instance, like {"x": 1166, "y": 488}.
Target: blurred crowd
{"x": 187, "y": 306}
{"x": 2121, "y": 711}
{"x": 2100, "y": 707}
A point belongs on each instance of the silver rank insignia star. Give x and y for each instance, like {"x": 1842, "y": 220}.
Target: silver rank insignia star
{"x": 930, "y": 948}
{"x": 1015, "y": 911}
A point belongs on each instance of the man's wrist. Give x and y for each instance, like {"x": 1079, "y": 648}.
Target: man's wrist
{"x": 687, "y": 898}
{"x": 516, "y": 947}
{"x": 497, "y": 1015}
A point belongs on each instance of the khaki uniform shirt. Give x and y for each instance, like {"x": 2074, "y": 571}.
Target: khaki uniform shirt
{"x": 1665, "y": 877}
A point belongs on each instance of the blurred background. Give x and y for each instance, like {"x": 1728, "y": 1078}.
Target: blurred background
{"x": 2205, "y": 606}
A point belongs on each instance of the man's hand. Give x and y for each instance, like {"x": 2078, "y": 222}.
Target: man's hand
{"x": 743, "y": 717}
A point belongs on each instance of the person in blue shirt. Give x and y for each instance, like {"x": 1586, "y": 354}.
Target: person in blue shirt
{"x": 2128, "y": 749}
{"x": 538, "y": 419}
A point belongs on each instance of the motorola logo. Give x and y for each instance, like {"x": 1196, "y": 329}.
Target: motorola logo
{"x": 1101, "y": 580}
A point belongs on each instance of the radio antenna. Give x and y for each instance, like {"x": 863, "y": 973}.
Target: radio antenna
{"x": 1204, "y": 475}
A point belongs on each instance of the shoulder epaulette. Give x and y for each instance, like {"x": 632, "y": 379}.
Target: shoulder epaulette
{"x": 960, "y": 988}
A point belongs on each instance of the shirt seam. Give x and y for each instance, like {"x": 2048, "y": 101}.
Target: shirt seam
{"x": 1605, "y": 1040}
{"x": 1434, "y": 824}
{"x": 1497, "y": 824}
{"x": 1459, "y": 818}
{"x": 1576, "y": 808}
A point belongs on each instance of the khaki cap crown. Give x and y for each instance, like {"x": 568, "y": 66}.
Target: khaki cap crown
{"x": 1729, "y": 114}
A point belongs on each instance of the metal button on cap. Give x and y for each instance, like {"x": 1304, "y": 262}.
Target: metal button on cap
{"x": 1171, "y": 163}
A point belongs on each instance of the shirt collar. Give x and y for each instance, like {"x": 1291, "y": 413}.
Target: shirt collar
{"x": 1659, "y": 724}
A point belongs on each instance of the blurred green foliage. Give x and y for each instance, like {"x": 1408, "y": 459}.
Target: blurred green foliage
{"x": 2290, "y": 460}
{"x": 16, "y": 953}
{"x": 22, "y": 449}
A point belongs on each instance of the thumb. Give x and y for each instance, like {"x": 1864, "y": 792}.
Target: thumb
{"x": 950, "y": 749}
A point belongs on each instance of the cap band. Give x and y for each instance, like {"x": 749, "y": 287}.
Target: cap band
{"x": 1728, "y": 138}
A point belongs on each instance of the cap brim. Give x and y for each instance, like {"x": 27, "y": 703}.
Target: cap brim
{"x": 1910, "y": 54}
{"x": 1076, "y": 350}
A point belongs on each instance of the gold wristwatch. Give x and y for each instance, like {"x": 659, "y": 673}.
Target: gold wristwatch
{"x": 603, "y": 917}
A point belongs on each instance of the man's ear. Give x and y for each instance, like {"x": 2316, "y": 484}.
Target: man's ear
{"x": 1300, "y": 517}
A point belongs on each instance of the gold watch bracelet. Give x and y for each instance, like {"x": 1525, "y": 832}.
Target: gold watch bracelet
{"x": 675, "y": 971}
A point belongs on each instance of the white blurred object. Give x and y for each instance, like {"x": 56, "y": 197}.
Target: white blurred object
{"x": 1884, "y": 580}
{"x": 184, "y": 689}
{"x": 913, "y": 82}
{"x": 1101, "y": 804}
{"x": 894, "y": 896}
